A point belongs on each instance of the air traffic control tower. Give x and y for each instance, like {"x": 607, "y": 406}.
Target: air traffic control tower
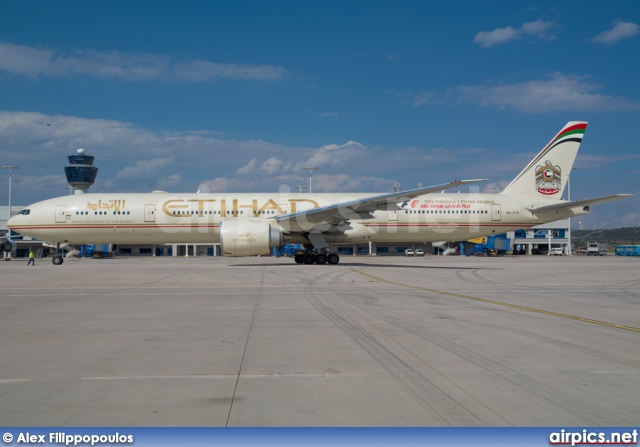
{"x": 81, "y": 173}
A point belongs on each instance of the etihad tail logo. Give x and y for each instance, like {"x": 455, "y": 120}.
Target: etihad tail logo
{"x": 548, "y": 178}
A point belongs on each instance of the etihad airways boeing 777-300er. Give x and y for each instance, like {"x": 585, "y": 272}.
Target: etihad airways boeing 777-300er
{"x": 250, "y": 224}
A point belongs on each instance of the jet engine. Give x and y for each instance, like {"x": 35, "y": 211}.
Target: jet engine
{"x": 6, "y": 245}
{"x": 249, "y": 237}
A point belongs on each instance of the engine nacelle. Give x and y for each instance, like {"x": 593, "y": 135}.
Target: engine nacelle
{"x": 248, "y": 237}
{"x": 6, "y": 245}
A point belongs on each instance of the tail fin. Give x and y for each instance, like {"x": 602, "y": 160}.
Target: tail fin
{"x": 543, "y": 177}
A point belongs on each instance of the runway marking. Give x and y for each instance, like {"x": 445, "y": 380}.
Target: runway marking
{"x": 188, "y": 377}
{"x": 579, "y": 287}
{"x": 500, "y": 303}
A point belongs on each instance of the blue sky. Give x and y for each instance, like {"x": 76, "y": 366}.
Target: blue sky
{"x": 240, "y": 96}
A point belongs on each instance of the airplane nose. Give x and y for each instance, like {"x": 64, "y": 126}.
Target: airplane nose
{"x": 15, "y": 221}
{"x": 12, "y": 221}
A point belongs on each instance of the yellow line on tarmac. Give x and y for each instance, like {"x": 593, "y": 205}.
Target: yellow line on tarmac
{"x": 500, "y": 303}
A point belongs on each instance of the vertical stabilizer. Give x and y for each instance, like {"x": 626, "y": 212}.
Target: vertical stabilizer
{"x": 546, "y": 175}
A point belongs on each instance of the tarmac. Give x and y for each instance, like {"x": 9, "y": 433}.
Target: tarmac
{"x": 373, "y": 341}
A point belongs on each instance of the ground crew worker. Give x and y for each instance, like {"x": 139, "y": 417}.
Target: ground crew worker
{"x": 32, "y": 258}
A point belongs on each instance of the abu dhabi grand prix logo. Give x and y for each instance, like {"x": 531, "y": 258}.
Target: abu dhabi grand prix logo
{"x": 548, "y": 178}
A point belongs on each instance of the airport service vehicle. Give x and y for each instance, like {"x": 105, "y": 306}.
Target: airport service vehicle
{"x": 250, "y": 224}
{"x": 409, "y": 252}
{"x": 556, "y": 251}
{"x": 418, "y": 252}
{"x": 489, "y": 246}
{"x": 596, "y": 249}
{"x": 628, "y": 250}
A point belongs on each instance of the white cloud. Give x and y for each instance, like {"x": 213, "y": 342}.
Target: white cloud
{"x": 170, "y": 182}
{"x": 496, "y": 37}
{"x": 557, "y": 92}
{"x": 221, "y": 184}
{"x": 620, "y": 31}
{"x": 30, "y": 61}
{"x": 596, "y": 161}
{"x": 537, "y": 30}
{"x": 144, "y": 175}
{"x": 272, "y": 165}
{"x": 346, "y": 182}
{"x": 26, "y": 187}
{"x": 325, "y": 157}
{"x": 144, "y": 169}
{"x": 202, "y": 71}
{"x": 24, "y": 60}
{"x": 249, "y": 168}
{"x": 334, "y": 155}
{"x": 423, "y": 98}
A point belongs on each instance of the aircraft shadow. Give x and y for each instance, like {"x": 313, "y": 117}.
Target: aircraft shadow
{"x": 361, "y": 264}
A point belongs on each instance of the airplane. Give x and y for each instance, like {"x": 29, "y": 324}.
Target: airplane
{"x": 251, "y": 224}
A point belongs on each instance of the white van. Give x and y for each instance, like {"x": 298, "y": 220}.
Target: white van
{"x": 557, "y": 251}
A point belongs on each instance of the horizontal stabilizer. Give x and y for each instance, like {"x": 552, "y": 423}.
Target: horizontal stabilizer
{"x": 564, "y": 205}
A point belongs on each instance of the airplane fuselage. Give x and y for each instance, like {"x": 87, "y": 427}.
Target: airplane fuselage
{"x": 195, "y": 218}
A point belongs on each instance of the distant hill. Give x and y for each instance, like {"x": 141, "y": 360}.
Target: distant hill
{"x": 616, "y": 236}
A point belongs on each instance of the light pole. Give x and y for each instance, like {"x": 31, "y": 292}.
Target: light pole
{"x": 10, "y": 168}
{"x": 300, "y": 188}
{"x": 569, "y": 199}
{"x": 310, "y": 168}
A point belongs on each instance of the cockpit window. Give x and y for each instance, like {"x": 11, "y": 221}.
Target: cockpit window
{"x": 25, "y": 212}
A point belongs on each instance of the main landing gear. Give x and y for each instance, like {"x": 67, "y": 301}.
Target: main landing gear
{"x": 58, "y": 259}
{"x": 315, "y": 252}
{"x": 317, "y": 258}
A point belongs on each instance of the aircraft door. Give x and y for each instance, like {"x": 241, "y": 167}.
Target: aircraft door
{"x": 393, "y": 215}
{"x": 150, "y": 213}
{"x": 496, "y": 215}
{"x": 61, "y": 213}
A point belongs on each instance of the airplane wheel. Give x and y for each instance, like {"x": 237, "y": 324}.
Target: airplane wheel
{"x": 309, "y": 258}
{"x": 333, "y": 258}
{"x": 57, "y": 260}
{"x": 299, "y": 258}
{"x": 321, "y": 258}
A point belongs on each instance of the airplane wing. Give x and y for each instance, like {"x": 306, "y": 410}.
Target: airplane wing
{"x": 359, "y": 208}
{"x": 578, "y": 203}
